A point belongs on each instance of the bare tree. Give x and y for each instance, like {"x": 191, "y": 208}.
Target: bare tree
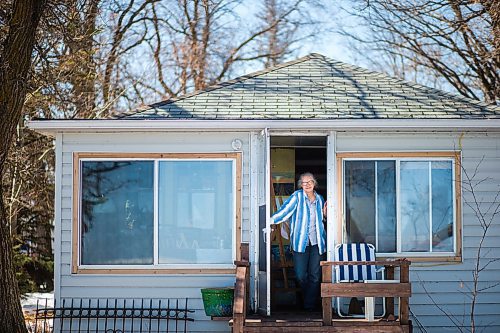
{"x": 64, "y": 78}
{"x": 79, "y": 36}
{"x": 15, "y": 61}
{"x": 289, "y": 26}
{"x": 199, "y": 43}
{"x": 124, "y": 38}
{"x": 454, "y": 43}
{"x": 28, "y": 189}
{"x": 486, "y": 216}
{"x": 275, "y": 44}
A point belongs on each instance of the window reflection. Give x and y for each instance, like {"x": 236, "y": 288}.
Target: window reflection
{"x": 425, "y": 198}
{"x": 195, "y": 212}
{"x": 386, "y": 206}
{"x": 442, "y": 206}
{"x": 414, "y": 199}
{"x": 360, "y": 201}
{"x": 117, "y": 212}
{"x": 371, "y": 203}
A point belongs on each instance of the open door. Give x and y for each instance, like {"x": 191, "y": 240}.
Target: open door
{"x": 311, "y": 153}
{"x": 264, "y": 250}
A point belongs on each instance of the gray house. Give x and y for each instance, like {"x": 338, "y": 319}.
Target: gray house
{"x": 156, "y": 202}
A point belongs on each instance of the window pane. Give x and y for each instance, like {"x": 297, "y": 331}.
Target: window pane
{"x": 117, "y": 213}
{"x": 442, "y": 207}
{"x": 196, "y": 212}
{"x": 386, "y": 206}
{"x": 360, "y": 201}
{"x": 414, "y": 200}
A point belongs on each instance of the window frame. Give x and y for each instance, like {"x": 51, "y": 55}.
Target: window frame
{"x": 398, "y": 157}
{"x": 155, "y": 268}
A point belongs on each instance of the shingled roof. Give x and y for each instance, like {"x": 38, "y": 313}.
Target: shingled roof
{"x": 316, "y": 87}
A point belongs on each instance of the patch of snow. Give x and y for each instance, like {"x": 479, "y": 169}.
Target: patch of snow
{"x": 29, "y": 305}
{"x": 29, "y": 301}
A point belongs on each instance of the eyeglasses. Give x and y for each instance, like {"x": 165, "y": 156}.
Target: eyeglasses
{"x": 309, "y": 182}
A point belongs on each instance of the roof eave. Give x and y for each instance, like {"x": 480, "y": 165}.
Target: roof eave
{"x": 51, "y": 127}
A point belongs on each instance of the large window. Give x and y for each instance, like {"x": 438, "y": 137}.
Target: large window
{"x": 172, "y": 211}
{"x": 405, "y": 204}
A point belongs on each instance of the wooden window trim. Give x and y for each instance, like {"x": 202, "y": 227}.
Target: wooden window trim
{"x": 456, "y": 155}
{"x": 75, "y": 266}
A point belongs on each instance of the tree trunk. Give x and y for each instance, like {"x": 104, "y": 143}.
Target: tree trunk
{"x": 15, "y": 63}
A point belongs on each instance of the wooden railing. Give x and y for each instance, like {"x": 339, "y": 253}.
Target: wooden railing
{"x": 241, "y": 290}
{"x": 240, "y": 295}
{"x": 399, "y": 288}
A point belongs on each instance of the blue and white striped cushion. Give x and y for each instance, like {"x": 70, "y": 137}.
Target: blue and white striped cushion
{"x": 356, "y": 252}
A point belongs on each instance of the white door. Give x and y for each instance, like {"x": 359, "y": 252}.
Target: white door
{"x": 262, "y": 240}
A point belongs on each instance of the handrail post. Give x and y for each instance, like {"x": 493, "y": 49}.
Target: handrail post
{"x": 326, "y": 301}
{"x": 389, "y": 301}
{"x": 404, "y": 308}
{"x": 240, "y": 296}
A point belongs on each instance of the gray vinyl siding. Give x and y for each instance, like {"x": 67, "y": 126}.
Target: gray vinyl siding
{"x": 144, "y": 286}
{"x": 447, "y": 284}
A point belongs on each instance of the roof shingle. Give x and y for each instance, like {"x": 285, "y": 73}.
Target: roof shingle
{"x": 316, "y": 87}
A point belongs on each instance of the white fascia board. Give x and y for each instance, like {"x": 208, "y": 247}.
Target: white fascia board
{"x": 115, "y": 125}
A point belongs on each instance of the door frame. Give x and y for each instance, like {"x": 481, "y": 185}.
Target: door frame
{"x": 260, "y": 194}
{"x": 332, "y": 189}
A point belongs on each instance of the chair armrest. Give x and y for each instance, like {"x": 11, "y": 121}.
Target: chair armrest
{"x": 380, "y": 270}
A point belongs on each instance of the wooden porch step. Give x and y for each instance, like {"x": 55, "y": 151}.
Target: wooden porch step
{"x": 312, "y": 322}
{"x": 283, "y": 323}
{"x": 329, "y": 329}
{"x": 316, "y": 327}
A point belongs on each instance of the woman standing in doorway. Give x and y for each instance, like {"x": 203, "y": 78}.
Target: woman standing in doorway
{"x": 306, "y": 209}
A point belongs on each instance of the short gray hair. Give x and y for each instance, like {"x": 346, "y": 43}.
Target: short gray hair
{"x": 299, "y": 182}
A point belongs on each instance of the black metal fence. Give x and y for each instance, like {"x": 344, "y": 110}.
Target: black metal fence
{"x": 110, "y": 316}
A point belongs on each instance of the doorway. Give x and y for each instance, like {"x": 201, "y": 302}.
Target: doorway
{"x": 291, "y": 156}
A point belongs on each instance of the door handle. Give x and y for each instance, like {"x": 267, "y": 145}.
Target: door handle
{"x": 265, "y": 234}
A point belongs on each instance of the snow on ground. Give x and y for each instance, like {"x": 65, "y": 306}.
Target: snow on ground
{"x": 29, "y": 304}
{"x": 29, "y": 301}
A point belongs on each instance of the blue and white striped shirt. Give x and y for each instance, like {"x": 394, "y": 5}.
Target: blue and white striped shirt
{"x": 296, "y": 210}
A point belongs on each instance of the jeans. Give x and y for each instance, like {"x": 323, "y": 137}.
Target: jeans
{"x": 308, "y": 274}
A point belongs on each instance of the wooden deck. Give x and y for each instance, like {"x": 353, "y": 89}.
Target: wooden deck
{"x": 325, "y": 321}
{"x": 313, "y": 322}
